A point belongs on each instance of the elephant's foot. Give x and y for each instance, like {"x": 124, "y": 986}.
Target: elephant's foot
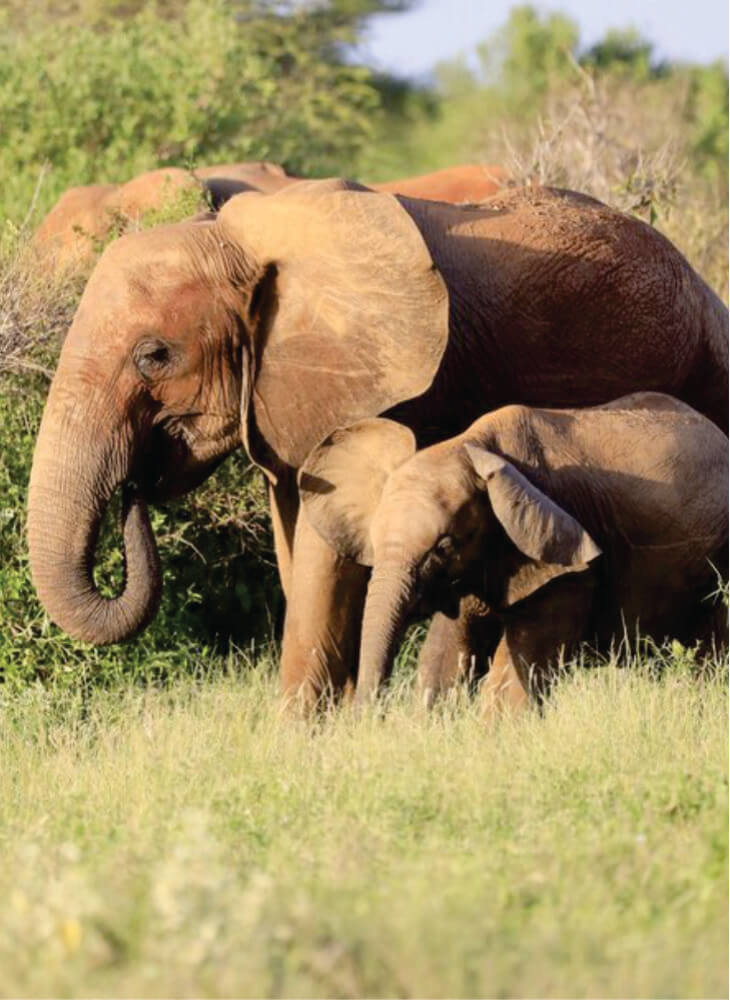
{"x": 503, "y": 691}
{"x": 313, "y": 678}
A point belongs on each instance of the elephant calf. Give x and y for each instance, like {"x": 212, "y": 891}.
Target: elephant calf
{"x": 549, "y": 526}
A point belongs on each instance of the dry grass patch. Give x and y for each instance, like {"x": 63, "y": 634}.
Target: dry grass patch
{"x": 627, "y": 145}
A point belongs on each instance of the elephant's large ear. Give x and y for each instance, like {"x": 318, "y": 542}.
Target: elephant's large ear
{"x": 341, "y": 482}
{"x": 554, "y": 542}
{"x": 356, "y": 317}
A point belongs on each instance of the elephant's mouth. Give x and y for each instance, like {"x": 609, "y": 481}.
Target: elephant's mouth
{"x": 443, "y": 593}
{"x": 168, "y": 469}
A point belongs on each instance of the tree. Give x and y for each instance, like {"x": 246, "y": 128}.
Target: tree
{"x": 528, "y": 53}
{"x": 130, "y": 86}
{"x": 624, "y": 50}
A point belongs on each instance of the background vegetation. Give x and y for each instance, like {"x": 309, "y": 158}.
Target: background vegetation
{"x": 411, "y": 856}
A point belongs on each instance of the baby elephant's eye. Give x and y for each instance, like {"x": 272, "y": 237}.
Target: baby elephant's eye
{"x": 438, "y": 557}
{"x": 152, "y": 358}
{"x": 445, "y": 546}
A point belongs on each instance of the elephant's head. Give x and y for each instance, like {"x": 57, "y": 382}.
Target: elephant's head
{"x": 451, "y": 519}
{"x": 286, "y": 316}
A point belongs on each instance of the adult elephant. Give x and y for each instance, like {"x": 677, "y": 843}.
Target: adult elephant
{"x": 292, "y": 314}
{"x": 85, "y": 215}
{"x": 260, "y": 175}
{"x": 464, "y": 183}
{"x": 225, "y": 180}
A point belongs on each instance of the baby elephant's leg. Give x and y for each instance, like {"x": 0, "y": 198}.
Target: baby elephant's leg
{"x": 455, "y": 649}
{"x": 442, "y": 659}
{"x": 536, "y": 634}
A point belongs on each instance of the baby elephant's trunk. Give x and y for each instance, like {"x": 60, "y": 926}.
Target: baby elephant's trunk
{"x": 389, "y": 599}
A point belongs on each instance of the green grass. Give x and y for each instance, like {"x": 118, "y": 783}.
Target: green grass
{"x": 192, "y": 842}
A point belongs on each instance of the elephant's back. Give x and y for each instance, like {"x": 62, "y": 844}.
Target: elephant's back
{"x": 647, "y": 477}
{"x": 651, "y": 469}
{"x": 466, "y": 183}
{"x": 570, "y": 301}
{"x": 546, "y": 249}
{"x": 152, "y": 190}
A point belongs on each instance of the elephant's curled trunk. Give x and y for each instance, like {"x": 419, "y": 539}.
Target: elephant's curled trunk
{"x": 68, "y": 495}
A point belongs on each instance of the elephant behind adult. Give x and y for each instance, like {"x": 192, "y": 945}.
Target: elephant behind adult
{"x": 260, "y": 175}
{"x": 455, "y": 185}
{"x": 225, "y": 180}
{"x": 469, "y": 182}
{"x": 88, "y": 214}
{"x": 295, "y": 313}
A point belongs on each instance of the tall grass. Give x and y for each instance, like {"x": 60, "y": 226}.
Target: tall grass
{"x": 190, "y": 842}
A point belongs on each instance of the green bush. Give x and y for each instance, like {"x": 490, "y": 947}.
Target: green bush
{"x": 105, "y": 100}
{"x": 219, "y": 573}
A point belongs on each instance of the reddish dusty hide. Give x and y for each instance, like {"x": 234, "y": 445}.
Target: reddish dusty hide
{"x": 468, "y": 183}
{"x": 84, "y": 216}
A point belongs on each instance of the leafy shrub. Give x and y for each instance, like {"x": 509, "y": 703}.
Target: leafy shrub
{"x": 105, "y": 100}
{"x": 219, "y": 573}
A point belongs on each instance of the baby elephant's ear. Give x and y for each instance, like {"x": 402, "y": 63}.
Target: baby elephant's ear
{"x": 342, "y": 479}
{"x": 536, "y": 524}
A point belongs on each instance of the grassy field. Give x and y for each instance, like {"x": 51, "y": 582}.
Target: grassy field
{"x": 190, "y": 842}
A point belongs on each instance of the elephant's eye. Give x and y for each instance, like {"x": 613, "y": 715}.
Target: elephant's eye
{"x": 445, "y": 546}
{"x": 152, "y": 358}
{"x": 438, "y": 557}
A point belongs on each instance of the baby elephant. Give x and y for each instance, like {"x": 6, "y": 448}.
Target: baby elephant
{"x": 536, "y": 528}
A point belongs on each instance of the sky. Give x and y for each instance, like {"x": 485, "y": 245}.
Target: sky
{"x": 410, "y": 44}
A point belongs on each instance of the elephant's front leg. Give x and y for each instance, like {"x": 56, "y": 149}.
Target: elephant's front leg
{"x": 536, "y": 636}
{"x": 325, "y": 600}
{"x": 456, "y": 649}
{"x": 443, "y": 660}
{"x": 284, "y": 505}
